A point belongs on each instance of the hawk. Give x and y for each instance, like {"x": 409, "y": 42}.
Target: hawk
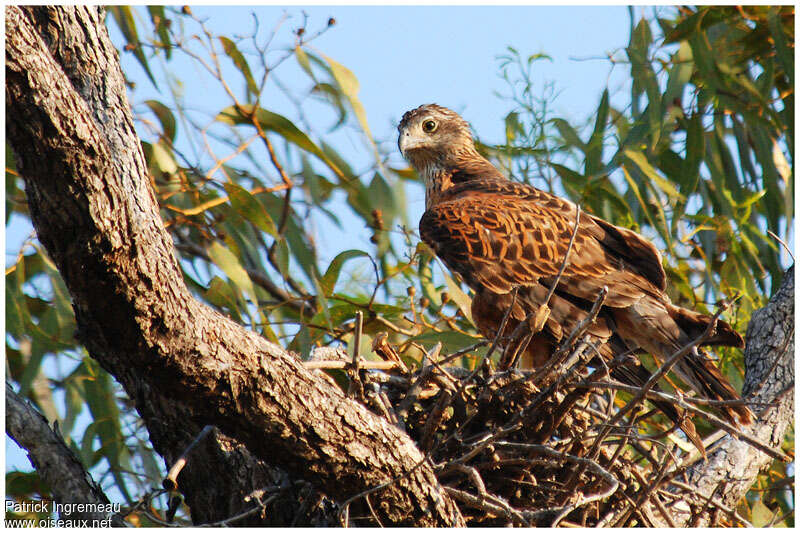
{"x": 508, "y": 242}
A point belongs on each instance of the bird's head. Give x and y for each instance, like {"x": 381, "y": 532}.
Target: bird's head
{"x": 432, "y": 135}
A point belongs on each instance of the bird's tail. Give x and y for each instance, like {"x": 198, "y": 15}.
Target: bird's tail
{"x": 695, "y": 324}
{"x": 699, "y": 371}
{"x": 704, "y": 376}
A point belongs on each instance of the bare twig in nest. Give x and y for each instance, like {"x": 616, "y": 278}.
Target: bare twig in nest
{"x": 721, "y": 506}
{"x": 497, "y": 336}
{"x": 613, "y": 483}
{"x": 386, "y": 351}
{"x": 681, "y": 402}
{"x": 356, "y": 387}
{"x": 642, "y": 392}
{"x": 455, "y": 355}
{"x": 434, "y": 419}
{"x": 483, "y": 504}
{"x": 345, "y": 365}
{"x": 564, "y": 348}
{"x": 416, "y": 387}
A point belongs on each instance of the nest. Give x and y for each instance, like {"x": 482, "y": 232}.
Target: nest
{"x": 540, "y": 448}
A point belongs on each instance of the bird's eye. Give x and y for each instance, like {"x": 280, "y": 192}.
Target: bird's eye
{"x": 428, "y": 126}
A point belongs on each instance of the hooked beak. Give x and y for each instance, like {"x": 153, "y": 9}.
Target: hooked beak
{"x": 408, "y": 142}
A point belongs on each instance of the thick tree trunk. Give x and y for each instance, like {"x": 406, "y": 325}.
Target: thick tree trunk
{"x": 183, "y": 364}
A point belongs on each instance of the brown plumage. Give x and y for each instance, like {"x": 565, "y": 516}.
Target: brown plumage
{"x": 500, "y": 235}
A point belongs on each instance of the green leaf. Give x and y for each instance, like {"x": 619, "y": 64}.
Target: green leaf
{"x": 333, "y": 95}
{"x": 382, "y": 197}
{"x": 568, "y": 133}
{"x": 458, "y": 296}
{"x": 302, "y": 60}
{"x": 165, "y": 117}
{"x": 240, "y": 62}
{"x": 695, "y": 151}
{"x": 691, "y": 24}
{"x": 229, "y": 264}
{"x": 100, "y": 397}
{"x": 162, "y": 159}
{"x": 159, "y": 20}
{"x": 645, "y": 208}
{"x": 679, "y": 74}
{"x": 451, "y": 340}
{"x": 348, "y": 83}
{"x": 783, "y": 50}
{"x": 221, "y": 294}
{"x": 123, "y": 16}
{"x": 594, "y": 149}
{"x": 250, "y": 208}
{"x": 762, "y": 515}
{"x": 328, "y": 281}
{"x": 641, "y": 162}
{"x": 282, "y": 257}
{"x": 279, "y": 124}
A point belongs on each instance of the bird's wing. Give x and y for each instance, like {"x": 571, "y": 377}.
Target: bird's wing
{"x": 498, "y": 235}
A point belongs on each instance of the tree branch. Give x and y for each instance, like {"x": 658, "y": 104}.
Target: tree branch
{"x": 183, "y": 364}
{"x": 55, "y": 463}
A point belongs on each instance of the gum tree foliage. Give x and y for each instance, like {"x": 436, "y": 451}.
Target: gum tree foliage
{"x": 696, "y": 152}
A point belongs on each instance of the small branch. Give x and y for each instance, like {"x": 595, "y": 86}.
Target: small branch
{"x": 171, "y": 481}
{"x": 344, "y": 365}
{"x": 497, "y": 336}
{"x": 566, "y": 257}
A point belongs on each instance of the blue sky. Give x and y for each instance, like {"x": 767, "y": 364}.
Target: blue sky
{"x": 407, "y": 56}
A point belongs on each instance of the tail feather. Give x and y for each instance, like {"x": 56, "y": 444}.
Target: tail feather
{"x": 695, "y": 324}
{"x": 699, "y": 371}
{"x": 705, "y": 376}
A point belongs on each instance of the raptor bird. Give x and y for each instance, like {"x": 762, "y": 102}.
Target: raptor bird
{"x": 508, "y": 242}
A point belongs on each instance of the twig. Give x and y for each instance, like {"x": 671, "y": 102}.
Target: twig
{"x": 416, "y": 387}
{"x": 171, "y": 481}
{"x": 446, "y": 359}
{"x": 497, "y": 336}
{"x": 642, "y": 392}
{"x": 354, "y": 368}
{"x": 721, "y": 506}
{"x": 566, "y": 257}
{"x": 563, "y": 349}
{"x": 734, "y": 431}
{"x": 585, "y": 462}
{"x": 434, "y": 418}
{"x": 785, "y": 246}
{"x": 363, "y": 365}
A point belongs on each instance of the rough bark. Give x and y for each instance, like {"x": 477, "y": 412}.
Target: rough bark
{"x": 731, "y": 469}
{"x": 183, "y": 364}
{"x": 57, "y": 465}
